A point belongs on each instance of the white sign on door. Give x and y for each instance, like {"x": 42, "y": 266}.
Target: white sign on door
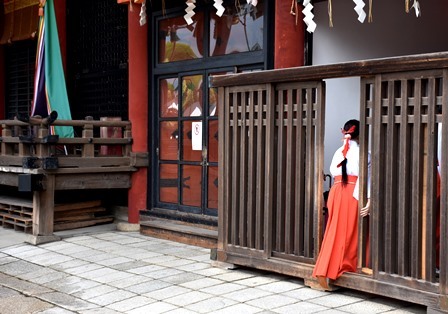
{"x": 196, "y": 140}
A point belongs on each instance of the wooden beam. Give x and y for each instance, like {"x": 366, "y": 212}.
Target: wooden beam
{"x": 338, "y": 70}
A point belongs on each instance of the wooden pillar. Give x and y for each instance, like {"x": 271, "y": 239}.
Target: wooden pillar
{"x": 289, "y": 47}
{"x": 43, "y": 209}
{"x": 138, "y": 108}
{"x": 43, "y": 201}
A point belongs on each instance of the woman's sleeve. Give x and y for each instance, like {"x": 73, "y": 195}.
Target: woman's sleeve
{"x": 356, "y": 190}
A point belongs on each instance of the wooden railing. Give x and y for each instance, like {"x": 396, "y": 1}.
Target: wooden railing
{"x": 33, "y": 160}
{"x": 32, "y": 146}
{"x": 271, "y": 173}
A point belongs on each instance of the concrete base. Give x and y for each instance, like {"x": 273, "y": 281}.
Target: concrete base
{"x": 36, "y": 240}
{"x": 127, "y": 227}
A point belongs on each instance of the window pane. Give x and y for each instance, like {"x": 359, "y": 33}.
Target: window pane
{"x": 213, "y": 108}
{"x": 192, "y": 96}
{"x": 191, "y": 185}
{"x": 168, "y": 183}
{"x": 213, "y": 101}
{"x": 169, "y": 100}
{"x": 240, "y": 29}
{"x": 179, "y": 41}
{"x": 169, "y": 138}
{"x": 213, "y": 141}
{"x": 212, "y": 187}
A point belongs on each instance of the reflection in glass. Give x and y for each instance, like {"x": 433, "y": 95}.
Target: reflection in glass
{"x": 169, "y": 139}
{"x": 213, "y": 141}
{"x": 192, "y": 96}
{"x": 240, "y": 29}
{"x": 212, "y": 187}
{"x": 191, "y": 185}
{"x": 169, "y": 99}
{"x": 191, "y": 153}
{"x": 168, "y": 183}
{"x": 179, "y": 41}
{"x": 213, "y": 108}
{"x": 213, "y": 102}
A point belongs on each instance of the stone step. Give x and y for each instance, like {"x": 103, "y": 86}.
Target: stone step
{"x": 183, "y": 232}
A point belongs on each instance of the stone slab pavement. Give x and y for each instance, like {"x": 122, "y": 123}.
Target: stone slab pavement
{"x": 102, "y": 270}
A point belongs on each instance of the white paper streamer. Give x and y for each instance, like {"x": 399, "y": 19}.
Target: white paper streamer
{"x": 219, "y": 7}
{"x": 359, "y": 8}
{"x": 416, "y": 6}
{"x": 143, "y": 13}
{"x": 190, "y": 11}
{"x": 253, "y": 2}
{"x": 308, "y": 19}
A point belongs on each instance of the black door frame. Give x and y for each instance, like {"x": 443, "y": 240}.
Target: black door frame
{"x": 227, "y": 63}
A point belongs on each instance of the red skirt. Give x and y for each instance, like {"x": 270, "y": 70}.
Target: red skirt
{"x": 339, "y": 250}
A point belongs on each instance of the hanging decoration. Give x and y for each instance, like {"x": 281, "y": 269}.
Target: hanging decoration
{"x": 359, "y": 8}
{"x": 330, "y": 13}
{"x": 370, "y": 20}
{"x": 308, "y": 19}
{"x": 190, "y": 11}
{"x": 416, "y": 7}
{"x": 406, "y": 5}
{"x": 219, "y": 7}
{"x": 143, "y": 13}
{"x": 295, "y": 10}
{"x": 253, "y": 2}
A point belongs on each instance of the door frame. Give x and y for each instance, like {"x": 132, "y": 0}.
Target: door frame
{"x": 227, "y": 63}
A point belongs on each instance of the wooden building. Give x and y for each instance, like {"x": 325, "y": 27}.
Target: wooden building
{"x": 233, "y": 121}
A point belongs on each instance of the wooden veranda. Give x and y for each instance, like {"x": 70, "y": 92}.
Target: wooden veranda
{"x": 36, "y": 163}
{"x": 271, "y": 160}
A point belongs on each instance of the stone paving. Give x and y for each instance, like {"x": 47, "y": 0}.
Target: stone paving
{"x": 107, "y": 271}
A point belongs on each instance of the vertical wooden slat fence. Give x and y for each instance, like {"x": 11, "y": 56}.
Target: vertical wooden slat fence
{"x": 271, "y": 173}
{"x": 273, "y": 139}
{"x": 404, "y": 123}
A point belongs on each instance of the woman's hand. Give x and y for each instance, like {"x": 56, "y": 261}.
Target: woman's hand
{"x": 365, "y": 211}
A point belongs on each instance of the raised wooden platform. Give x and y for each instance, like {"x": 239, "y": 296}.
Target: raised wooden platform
{"x": 44, "y": 166}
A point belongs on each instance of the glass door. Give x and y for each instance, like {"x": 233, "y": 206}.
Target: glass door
{"x": 188, "y": 144}
{"x": 185, "y": 114}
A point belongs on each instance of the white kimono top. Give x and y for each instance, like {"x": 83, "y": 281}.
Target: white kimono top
{"x": 352, "y": 165}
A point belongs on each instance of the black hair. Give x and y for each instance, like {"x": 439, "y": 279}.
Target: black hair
{"x": 354, "y": 133}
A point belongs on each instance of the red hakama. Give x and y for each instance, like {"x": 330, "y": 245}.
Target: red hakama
{"x": 339, "y": 250}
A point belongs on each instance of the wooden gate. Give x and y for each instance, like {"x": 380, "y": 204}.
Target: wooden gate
{"x": 271, "y": 171}
{"x": 403, "y": 114}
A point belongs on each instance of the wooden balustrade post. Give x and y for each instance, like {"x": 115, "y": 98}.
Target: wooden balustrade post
{"x": 6, "y": 148}
{"x": 128, "y": 147}
{"x": 24, "y": 145}
{"x": 88, "y": 149}
{"x": 42, "y": 148}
